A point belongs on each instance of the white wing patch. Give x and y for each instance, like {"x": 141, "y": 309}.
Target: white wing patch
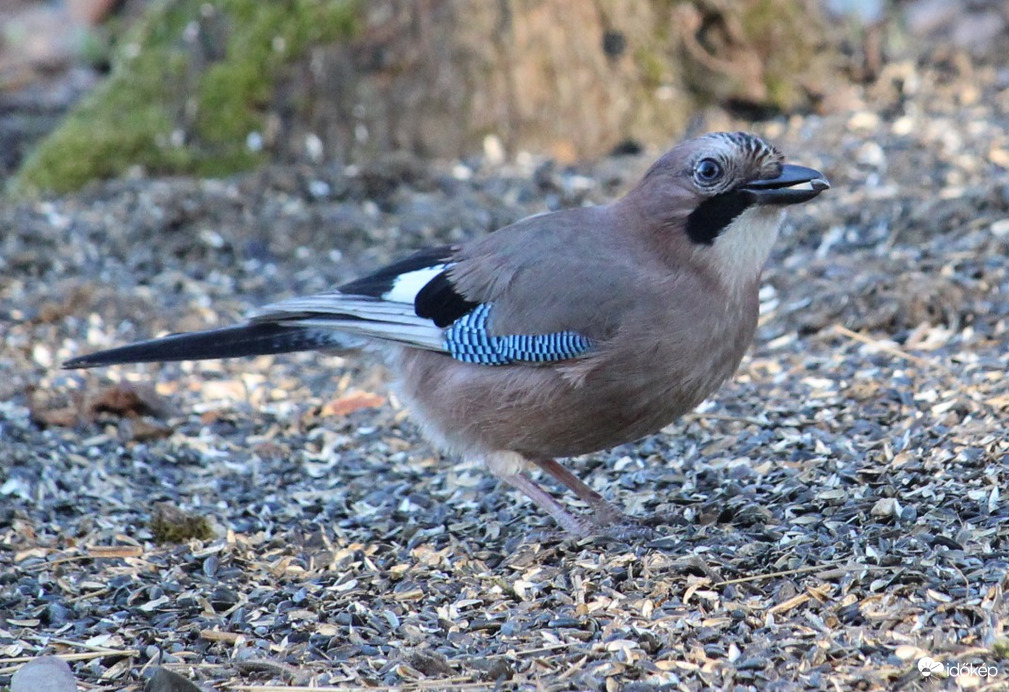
{"x": 406, "y": 286}
{"x": 357, "y": 315}
{"x": 425, "y": 336}
{"x": 391, "y": 317}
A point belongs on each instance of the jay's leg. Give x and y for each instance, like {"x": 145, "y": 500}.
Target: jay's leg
{"x": 576, "y": 526}
{"x": 604, "y": 512}
{"x": 512, "y": 469}
{"x": 603, "y": 518}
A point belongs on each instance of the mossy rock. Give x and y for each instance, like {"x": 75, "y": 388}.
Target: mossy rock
{"x": 212, "y": 88}
{"x": 172, "y": 525}
{"x": 759, "y": 55}
{"x": 187, "y": 92}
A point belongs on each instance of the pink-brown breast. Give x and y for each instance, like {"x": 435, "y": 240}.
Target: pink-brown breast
{"x": 672, "y": 351}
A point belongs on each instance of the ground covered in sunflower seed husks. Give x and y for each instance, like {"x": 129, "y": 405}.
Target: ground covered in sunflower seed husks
{"x": 836, "y": 511}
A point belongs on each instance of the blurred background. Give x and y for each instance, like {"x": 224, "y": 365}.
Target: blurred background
{"x": 98, "y": 88}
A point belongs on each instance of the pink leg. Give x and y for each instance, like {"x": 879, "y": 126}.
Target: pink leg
{"x": 606, "y": 513}
{"x": 568, "y": 521}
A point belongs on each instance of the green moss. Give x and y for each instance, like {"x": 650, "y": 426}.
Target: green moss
{"x": 777, "y": 39}
{"x": 117, "y": 123}
{"x": 771, "y": 25}
{"x": 164, "y": 108}
{"x": 653, "y": 67}
{"x": 171, "y": 525}
{"x": 234, "y": 93}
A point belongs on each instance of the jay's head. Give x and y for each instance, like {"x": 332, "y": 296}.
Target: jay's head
{"x": 722, "y": 196}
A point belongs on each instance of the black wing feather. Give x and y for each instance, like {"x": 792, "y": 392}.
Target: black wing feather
{"x": 377, "y": 285}
{"x": 229, "y": 342}
{"x": 439, "y": 302}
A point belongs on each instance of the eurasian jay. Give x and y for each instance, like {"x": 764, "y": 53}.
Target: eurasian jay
{"x": 564, "y": 333}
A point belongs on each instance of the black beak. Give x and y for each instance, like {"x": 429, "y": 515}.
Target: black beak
{"x": 795, "y": 184}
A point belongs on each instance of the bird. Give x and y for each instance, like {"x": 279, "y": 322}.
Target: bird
{"x": 565, "y": 333}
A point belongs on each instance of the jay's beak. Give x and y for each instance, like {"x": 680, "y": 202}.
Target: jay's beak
{"x": 795, "y": 184}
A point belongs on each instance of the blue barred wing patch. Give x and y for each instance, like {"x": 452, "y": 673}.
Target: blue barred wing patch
{"x": 469, "y": 340}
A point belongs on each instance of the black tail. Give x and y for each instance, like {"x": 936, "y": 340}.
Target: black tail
{"x": 228, "y": 342}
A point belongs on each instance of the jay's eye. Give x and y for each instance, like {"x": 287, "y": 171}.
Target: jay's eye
{"x": 708, "y": 171}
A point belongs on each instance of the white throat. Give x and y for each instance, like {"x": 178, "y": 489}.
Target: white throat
{"x": 741, "y": 250}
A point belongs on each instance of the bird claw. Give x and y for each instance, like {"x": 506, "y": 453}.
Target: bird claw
{"x": 629, "y": 529}
{"x": 624, "y": 527}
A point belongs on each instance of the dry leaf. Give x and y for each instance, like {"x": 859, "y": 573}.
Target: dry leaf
{"x": 350, "y": 402}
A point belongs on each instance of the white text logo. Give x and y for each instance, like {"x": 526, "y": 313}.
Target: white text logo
{"x": 929, "y": 667}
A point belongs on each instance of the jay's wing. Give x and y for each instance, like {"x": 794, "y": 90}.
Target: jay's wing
{"x": 534, "y": 292}
{"x": 380, "y": 306}
{"x": 416, "y": 303}
{"x": 542, "y": 290}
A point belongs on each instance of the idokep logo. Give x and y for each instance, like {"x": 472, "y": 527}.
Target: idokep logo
{"x": 929, "y": 668}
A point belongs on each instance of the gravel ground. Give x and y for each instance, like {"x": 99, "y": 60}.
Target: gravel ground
{"x": 278, "y": 522}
